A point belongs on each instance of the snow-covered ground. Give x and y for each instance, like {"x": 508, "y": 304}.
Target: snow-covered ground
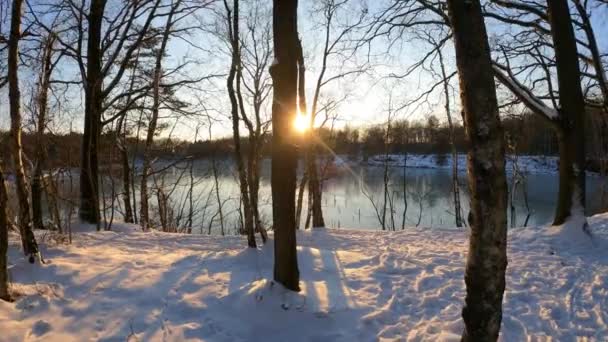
{"x": 356, "y": 286}
{"x": 525, "y": 164}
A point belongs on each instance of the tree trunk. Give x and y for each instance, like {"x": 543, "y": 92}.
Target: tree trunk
{"x": 572, "y": 113}
{"x": 314, "y": 188}
{"x": 566, "y": 176}
{"x": 300, "y": 198}
{"x": 284, "y": 73}
{"x": 4, "y": 295}
{"x": 89, "y": 166}
{"x": 455, "y": 185}
{"x": 302, "y": 109}
{"x": 28, "y": 241}
{"x": 147, "y": 163}
{"x": 42, "y": 106}
{"x": 126, "y": 170}
{"x": 238, "y": 154}
{"x": 487, "y": 257}
{"x": 254, "y": 188}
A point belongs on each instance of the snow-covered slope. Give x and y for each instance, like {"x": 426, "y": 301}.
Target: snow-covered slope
{"x": 356, "y": 286}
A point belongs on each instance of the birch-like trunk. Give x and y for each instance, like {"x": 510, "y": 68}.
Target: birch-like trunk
{"x": 487, "y": 256}
{"x": 28, "y": 241}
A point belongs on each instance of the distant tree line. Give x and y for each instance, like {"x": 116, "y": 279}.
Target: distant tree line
{"x": 526, "y": 134}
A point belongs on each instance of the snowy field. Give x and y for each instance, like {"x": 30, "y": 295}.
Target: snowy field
{"x": 356, "y": 286}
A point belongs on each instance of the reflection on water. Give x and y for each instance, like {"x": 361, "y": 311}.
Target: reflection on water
{"x": 427, "y": 194}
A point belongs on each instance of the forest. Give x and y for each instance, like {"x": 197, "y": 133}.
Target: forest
{"x": 312, "y": 170}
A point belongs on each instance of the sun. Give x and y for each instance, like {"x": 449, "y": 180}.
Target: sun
{"x": 301, "y": 123}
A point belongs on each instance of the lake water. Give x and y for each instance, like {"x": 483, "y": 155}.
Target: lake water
{"x": 347, "y": 196}
{"x": 349, "y": 190}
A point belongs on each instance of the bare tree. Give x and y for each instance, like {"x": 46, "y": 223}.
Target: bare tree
{"x": 337, "y": 43}
{"x": 284, "y": 72}
{"x": 156, "y": 98}
{"x": 448, "y": 112}
{"x": 487, "y": 257}
{"x": 572, "y": 147}
{"x": 235, "y": 76}
{"x": 254, "y": 59}
{"x": 28, "y": 241}
{"x": 47, "y": 65}
{"x": 566, "y": 116}
{"x": 102, "y": 41}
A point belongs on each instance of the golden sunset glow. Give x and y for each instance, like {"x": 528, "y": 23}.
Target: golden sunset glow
{"x": 301, "y": 123}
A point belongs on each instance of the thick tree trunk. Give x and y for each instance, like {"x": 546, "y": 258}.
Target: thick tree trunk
{"x": 487, "y": 257}
{"x": 566, "y": 177}
{"x": 28, "y": 241}
{"x": 572, "y": 113}
{"x": 4, "y": 295}
{"x": 284, "y": 72}
{"x": 89, "y": 166}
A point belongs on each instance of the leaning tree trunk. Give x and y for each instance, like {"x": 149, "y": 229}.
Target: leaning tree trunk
{"x": 571, "y": 198}
{"x": 28, "y": 241}
{"x": 89, "y": 166}
{"x": 487, "y": 257}
{"x": 284, "y": 73}
{"x": 4, "y": 295}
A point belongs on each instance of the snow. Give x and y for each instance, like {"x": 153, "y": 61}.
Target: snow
{"x": 525, "y": 95}
{"x": 127, "y": 285}
{"x": 525, "y": 163}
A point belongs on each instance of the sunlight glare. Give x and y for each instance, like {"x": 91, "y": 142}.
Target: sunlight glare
{"x": 301, "y": 123}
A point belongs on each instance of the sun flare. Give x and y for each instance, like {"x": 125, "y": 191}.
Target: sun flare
{"x": 301, "y": 123}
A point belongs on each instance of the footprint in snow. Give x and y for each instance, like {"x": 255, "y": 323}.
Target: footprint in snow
{"x": 40, "y": 328}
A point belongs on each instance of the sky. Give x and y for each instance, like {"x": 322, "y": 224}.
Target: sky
{"x": 366, "y": 97}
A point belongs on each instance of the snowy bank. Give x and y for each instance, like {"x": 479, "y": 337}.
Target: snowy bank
{"x": 356, "y": 286}
{"x": 525, "y": 163}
